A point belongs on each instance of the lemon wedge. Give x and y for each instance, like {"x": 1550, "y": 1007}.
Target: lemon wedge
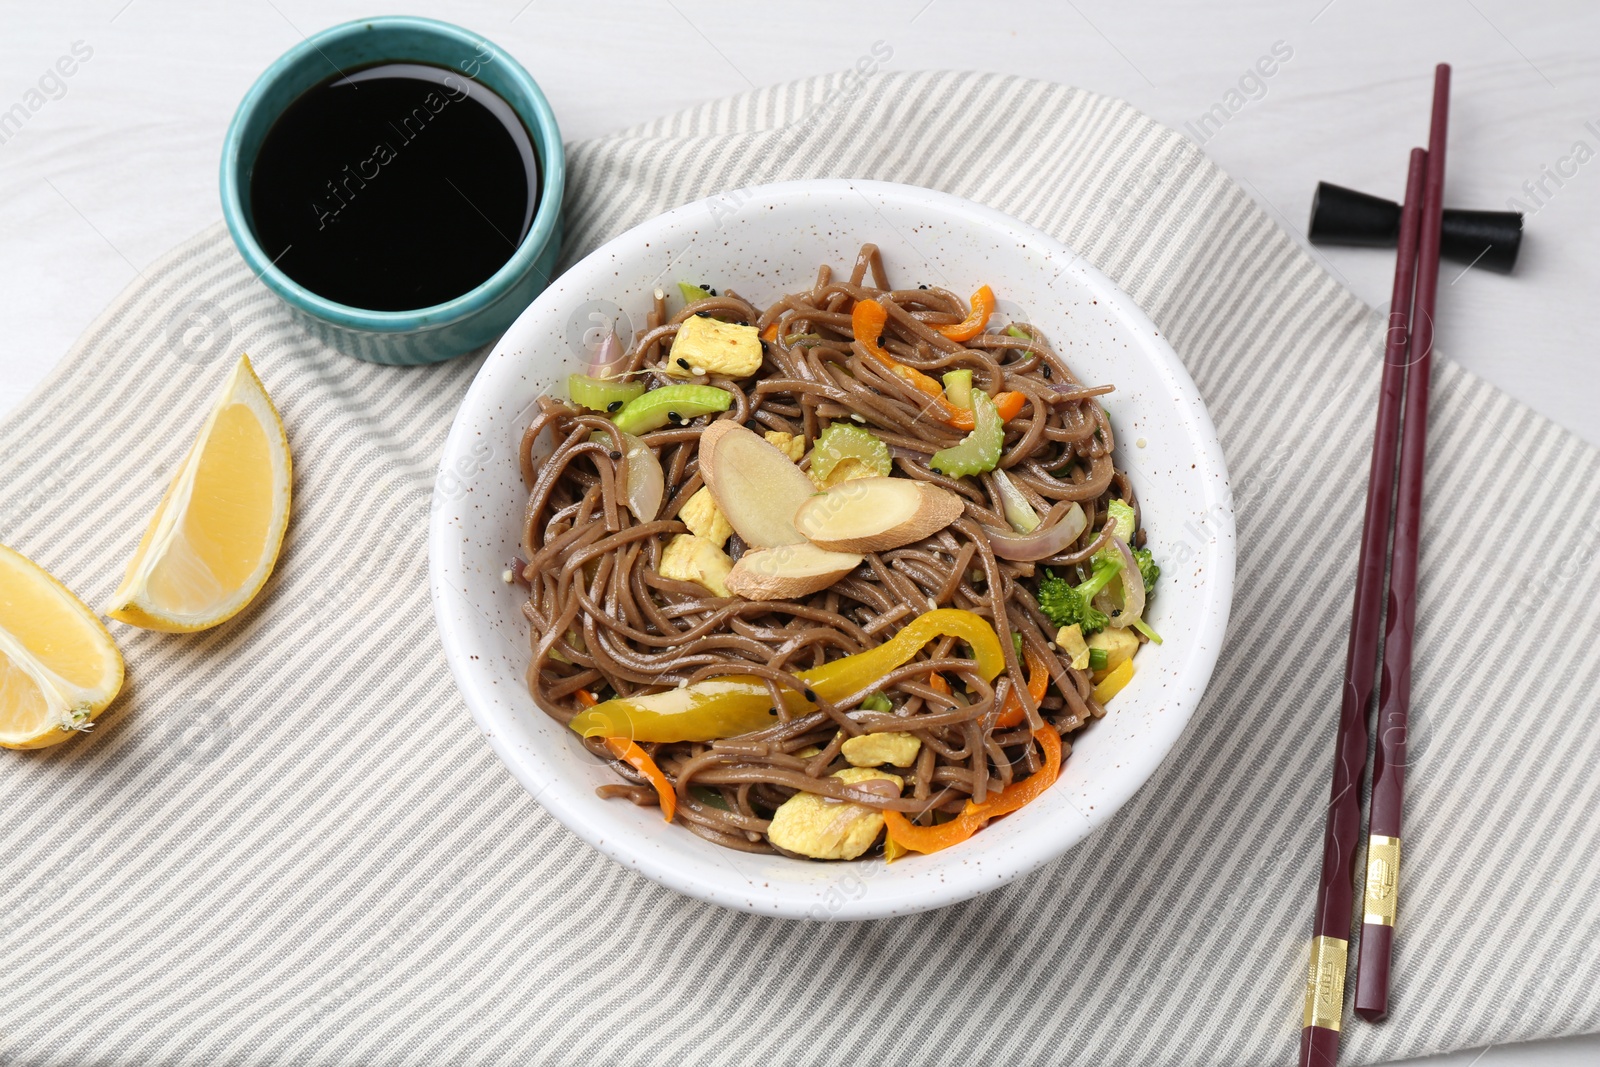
{"x": 214, "y": 538}
{"x": 58, "y": 666}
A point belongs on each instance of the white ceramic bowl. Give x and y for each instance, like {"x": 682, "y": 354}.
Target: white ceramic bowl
{"x": 763, "y": 242}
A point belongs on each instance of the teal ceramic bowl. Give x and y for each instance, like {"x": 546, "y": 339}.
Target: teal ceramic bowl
{"x": 423, "y": 335}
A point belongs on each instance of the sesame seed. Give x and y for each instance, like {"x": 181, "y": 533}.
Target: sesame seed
{"x": 673, "y": 416}
{"x": 507, "y": 577}
{"x": 615, "y": 405}
{"x": 857, "y": 416}
{"x": 811, "y": 696}
{"x": 1141, "y": 442}
{"x": 683, "y": 363}
{"x": 697, "y": 370}
{"x": 615, "y": 454}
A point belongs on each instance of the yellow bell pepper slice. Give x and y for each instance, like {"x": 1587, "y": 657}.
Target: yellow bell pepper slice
{"x": 739, "y": 704}
{"x": 1112, "y": 683}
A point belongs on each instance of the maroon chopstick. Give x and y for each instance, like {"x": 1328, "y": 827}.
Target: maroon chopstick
{"x": 1330, "y": 931}
{"x": 1394, "y": 700}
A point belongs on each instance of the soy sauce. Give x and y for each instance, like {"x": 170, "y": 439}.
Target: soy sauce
{"x": 395, "y": 187}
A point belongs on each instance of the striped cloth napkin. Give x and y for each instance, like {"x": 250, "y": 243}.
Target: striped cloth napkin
{"x": 287, "y": 845}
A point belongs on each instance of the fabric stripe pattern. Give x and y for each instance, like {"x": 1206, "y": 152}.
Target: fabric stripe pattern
{"x": 287, "y": 845}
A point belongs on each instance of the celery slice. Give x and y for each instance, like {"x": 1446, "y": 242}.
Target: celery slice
{"x": 958, "y": 388}
{"x": 841, "y": 441}
{"x": 656, "y": 408}
{"x": 1148, "y": 630}
{"x": 602, "y": 394}
{"x": 1120, "y": 512}
{"x": 979, "y": 451}
{"x": 876, "y": 702}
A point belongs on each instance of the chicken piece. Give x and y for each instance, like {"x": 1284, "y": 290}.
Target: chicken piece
{"x": 828, "y": 829}
{"x": 874, "y": 750}
{"x": 704, "y": 345}
{"x": 701, "y": 515}
{"x": 791, "y": 445}
{"x": 690, "y": 558}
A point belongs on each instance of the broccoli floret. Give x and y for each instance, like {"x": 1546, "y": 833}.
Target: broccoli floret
{"x": 1119, "y": 515}
{"x": 1066, "y": 604}
{"x": 1147, "y": 568}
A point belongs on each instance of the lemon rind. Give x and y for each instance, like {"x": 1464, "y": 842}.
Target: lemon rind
{"x": 72, "y": 709}
{"x": 130, "y": 604}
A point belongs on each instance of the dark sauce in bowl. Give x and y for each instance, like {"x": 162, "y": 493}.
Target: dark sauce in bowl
{"x": 395, "y": 187}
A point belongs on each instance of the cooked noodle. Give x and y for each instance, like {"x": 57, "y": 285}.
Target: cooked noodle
{"x": 605, "y": 621}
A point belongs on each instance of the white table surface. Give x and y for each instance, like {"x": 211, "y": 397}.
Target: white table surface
{"x": 120, "y": 162}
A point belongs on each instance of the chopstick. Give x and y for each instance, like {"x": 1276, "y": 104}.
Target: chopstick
{"x": 1330, "y": 940}
{"x": 1394, "y": 701}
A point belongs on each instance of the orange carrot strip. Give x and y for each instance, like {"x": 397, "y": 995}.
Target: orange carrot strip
{"x": 977, "y": 318}
{"x": 1009, "y": 405}
{"x": 630, "y": 753}
{"x": 1020, "y": 794}
{"x": 1038, "y": 681}
{"x": 867, "y": 320}
{"x": 907, "y": 835}
{"x": 770, "y": 333}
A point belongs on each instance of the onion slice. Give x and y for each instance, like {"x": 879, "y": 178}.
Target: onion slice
{"x": 1041, "y": 543}
{"x": 1019, "y": 513}
{"x": 1125, "y": 614}
{"x": 644, "y": 481}
{"x": 607, "y": 359}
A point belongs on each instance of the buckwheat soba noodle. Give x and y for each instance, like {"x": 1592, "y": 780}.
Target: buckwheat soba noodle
{"x": 806, "y": 680}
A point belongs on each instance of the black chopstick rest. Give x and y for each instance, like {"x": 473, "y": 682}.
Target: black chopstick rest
{"x": 1341, "y": 216}
{"x": 1494, "y": 235}
{"x": 1487, "y": 239}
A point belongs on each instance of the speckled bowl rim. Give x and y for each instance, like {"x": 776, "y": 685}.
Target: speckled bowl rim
{"x": 862, "y": 889}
